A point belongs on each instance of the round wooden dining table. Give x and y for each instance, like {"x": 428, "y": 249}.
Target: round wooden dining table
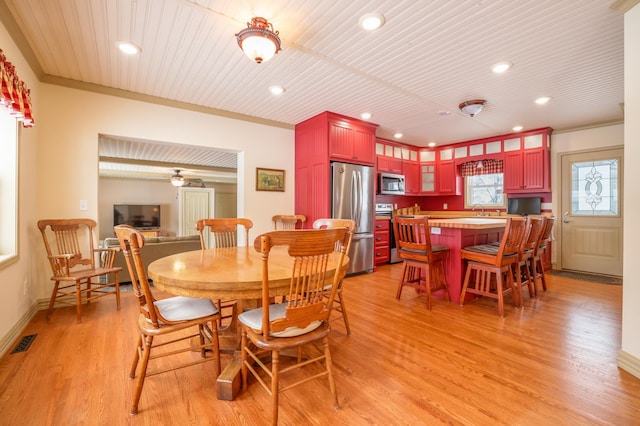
{"x": 225, "y": 273}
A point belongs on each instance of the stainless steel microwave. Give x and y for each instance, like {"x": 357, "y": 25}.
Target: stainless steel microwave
{"x": 390, "y": 184}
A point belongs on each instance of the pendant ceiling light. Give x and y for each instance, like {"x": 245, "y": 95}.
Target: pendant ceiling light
{"x": 472, "y": 107}
{"x": 258, "y": 41}
{"x": 177, "y": 179}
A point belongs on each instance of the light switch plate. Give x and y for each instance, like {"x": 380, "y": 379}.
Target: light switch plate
{"x": 435, "y": 230}
{"x": 84, "y": 206}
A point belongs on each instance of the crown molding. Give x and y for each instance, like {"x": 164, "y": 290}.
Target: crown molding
{"x": 624, "y": 5}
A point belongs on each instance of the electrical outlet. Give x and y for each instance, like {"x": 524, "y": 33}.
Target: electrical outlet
{"x": 445, "y": 206}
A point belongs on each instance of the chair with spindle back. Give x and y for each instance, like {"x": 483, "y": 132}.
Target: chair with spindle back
{"x": 490, "y": 265}
{"x": 413, "y": 242}
{"x": 289, "y": 221}
{"x": 324, "y": 223}
{"x": 220, "y": 233}
{"x": 300, "y": 322}
{"x": 525, "y": 256}
{"x": 76, "y": 271}
{"x": 168, "y": 320}
{"x": 537, "y": 266}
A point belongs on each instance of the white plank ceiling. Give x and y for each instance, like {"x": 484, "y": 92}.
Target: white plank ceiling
{"x": 428, "y": 57}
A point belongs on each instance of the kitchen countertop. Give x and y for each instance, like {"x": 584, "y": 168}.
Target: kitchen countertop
{"x": 469, "y": 223}
{"x": 464, "y": 222}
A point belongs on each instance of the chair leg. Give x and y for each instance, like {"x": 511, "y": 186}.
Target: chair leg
{"x": 275, "y": 377}
{"x": 117, "y": 281}
{"x": 467, "y": 275}
{"x": 499, "y": 288}
{"x": 343, "y": 310}
{"x": 428, "y": 279}
{"x": 53, "y": 299}
{"x": 243, "y": 369}
{"x": 136, "y": 358}
{"x": 403, "y": 278}
{"x": 329, "y": 366}
{"x": 146, "y": 353}
{"x": 79, "y": 300}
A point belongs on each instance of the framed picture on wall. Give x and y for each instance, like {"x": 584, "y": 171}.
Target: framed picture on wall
{"x": 269, "y": 180}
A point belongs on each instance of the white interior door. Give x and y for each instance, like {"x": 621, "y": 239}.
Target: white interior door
{"x": 591, "y": 211}
{"x": 194, "y": 204}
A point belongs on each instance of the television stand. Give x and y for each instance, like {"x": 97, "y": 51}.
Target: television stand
{"x": 150, "y": 232}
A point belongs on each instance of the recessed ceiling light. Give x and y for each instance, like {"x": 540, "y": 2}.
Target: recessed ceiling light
{"x": 371, "y": 21}
{"x": 501, "y": 67}
{"x": 128, "y": 48}
{"x": 517, "y": 128}
{"x": 431, "y": 144}
{"x": 543, "y": 100}
{"x": 277, "y": 90}
{"x": 365, "y": 115}
{"x": 398, "y": 135}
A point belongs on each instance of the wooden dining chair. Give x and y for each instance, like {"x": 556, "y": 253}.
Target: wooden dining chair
{"x": 525, "y": 256}
{"x": 80, "y": 271}
{"x": 167, "y": 319}
{"x": 289, "y": 221}
{"x": 413, "y": 244}
{"x": 223, "y": 232}
{"x": 220, "y": 233}
{"x": 537, "y": 265}
{"x": 490, "y": 265}
{"x": 327, "y": 223}
{"x": 302, "y": 322}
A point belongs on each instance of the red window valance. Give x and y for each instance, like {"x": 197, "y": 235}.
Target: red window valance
{"x": 15, "y": 96}
{"x": 481, "y": 167}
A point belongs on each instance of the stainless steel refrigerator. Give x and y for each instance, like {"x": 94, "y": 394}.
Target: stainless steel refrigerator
{"x": 352, "y": 197}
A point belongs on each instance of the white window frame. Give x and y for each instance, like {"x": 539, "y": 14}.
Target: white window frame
{"x": 468, "y": 204}
{"x": 8, "y": 188}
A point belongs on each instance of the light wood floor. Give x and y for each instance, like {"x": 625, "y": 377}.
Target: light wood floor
{"x": 553, "y": 362}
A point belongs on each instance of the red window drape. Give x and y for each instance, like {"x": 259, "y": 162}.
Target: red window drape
{"x": 15, "y": 96}
{"x": 482, "y": 167}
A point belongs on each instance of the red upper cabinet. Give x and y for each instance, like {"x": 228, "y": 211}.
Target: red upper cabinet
{"x": 351, "y": 140}
{"x": 526, "y": 164}
{"x": 449, "y": 180}
{"x": 411, "y": 171}
{"x": 318, "y": 140}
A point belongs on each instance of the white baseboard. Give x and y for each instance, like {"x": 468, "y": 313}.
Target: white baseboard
{"x": 629, "y": 363}
{"x": 15, "y": 331}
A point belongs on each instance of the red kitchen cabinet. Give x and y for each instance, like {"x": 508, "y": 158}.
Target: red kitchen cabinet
{"x": 318, "y": 140}
{"x": 411, "y": 172}
{"x": 448, "y": 178}
{"x": 381, "y": 237}
{"x": 389, "y": 164}
{"x": 351, "y": 141}
{"x": 527, "y": 167}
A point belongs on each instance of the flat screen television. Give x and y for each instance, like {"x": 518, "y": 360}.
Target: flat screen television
{"x": 523, "y": 206}
{"x": 142, "y": 216}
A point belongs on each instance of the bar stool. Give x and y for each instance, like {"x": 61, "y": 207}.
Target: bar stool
{"x": 491, "y": 264}
{"x": 413, "y": 243}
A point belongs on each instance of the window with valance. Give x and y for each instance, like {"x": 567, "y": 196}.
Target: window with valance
{"x": 15, "y": 96}
{"x": 481, "y": 167}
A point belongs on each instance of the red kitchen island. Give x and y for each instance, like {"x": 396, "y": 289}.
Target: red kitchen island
{"x": 457, "y": 233}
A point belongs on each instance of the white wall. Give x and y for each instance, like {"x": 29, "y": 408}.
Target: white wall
{"x": 18, "y": 295}
{"x": 630, "y": 352}
{"x": 68, "y": 149}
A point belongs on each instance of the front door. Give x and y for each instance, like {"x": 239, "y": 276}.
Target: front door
{"x": 591, "y": 212}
